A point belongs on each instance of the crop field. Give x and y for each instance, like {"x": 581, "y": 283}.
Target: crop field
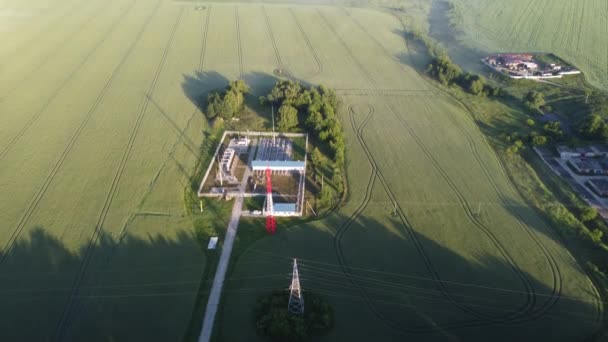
{"x": 575, "y": 30}
{"x": 100, "y": 136}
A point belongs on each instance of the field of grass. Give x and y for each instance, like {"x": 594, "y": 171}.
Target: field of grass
{"x": 576, "y": 31}
{"x": 100, "y": 136}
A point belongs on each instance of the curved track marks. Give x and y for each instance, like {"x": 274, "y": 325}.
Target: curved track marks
{"x": 67, "y": 312}
{"x": 271, "y": 35}
{"x": 438, "y": 281}
{"x": 63, "y": 84}
{"x": 308, "y": 43}
{"x": 554, "y": 267}
{"x": 531, "y": 297}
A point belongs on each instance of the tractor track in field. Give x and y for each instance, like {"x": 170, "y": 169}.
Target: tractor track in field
{"x": 238, "y": 41}
{"x": 201, "y": 63}
{"x": 308, "y": 43}
{"x": 63, "y": 84}
{"x": 417, "y": 244}
{"x": 366, "y": 199}
{"x": 272, "y": 40}
{"x": 557, "y": 276}
{"x": 555, "y": 271}
{"x": 40, "y": 194}
{"x": 530, "y": 297}
{"x": 48, "y": 57}
{"x": 556, "y": 290}
{"x": 64, "y": 321}
{"x": 52, "y": 25}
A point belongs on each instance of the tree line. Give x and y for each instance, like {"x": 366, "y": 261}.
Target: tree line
{"x": 313, "y": 108}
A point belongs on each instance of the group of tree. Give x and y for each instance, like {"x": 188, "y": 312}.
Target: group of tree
{"x": 448, "y": 73}
{"x": 313, "y": 108}
{"x": 273, "y": 320}
{"x": 594, "y": 127}
{"x": 534, "y": 100}
{"x": 228, "y": 103}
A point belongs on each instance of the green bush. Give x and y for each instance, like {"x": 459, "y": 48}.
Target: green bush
{"x": 273, "y": 320}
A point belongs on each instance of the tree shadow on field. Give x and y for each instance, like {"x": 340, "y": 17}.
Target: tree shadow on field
{"x": 144, "y": 287}
{"x": 392, "y": 292}
{"x": 198, "y": 85}
{"x": 134, "y": 288}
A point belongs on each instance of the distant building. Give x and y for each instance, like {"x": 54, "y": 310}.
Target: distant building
{"x": 566, "y": 152}
{"x": 589, "y": 166}
{"x": 599, "y": 186}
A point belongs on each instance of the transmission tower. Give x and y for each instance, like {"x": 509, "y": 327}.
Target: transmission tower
{"x": 296, "y": 299}
{"x": 271, "y": 224}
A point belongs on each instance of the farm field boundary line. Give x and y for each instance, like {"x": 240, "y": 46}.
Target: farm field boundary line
{"x": 272, "y": 40}
{"x": 530, "y": 298}
{"x": 67, "y": 312}
{"x": 308, "y": 43}
{"x": 555, "y": 271}
{"x": 238, "y": 40}
{"x": 50, "y": 27}
{"x": 38, "y": 197}
{"x": 62, "y": 85}
{"x": 48, "y": 57}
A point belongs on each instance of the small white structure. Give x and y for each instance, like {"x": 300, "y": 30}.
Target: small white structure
{"x": 278, "y": 165}
{"x": 285, "y": 209}
{"x": 212, "y": 243}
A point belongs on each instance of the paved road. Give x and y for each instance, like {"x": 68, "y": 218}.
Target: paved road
{"x": 222, "y": 266}
{"x": 220, "y": 274}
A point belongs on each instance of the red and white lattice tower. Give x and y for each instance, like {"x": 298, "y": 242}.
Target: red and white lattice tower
{"x": 271, "y": 224}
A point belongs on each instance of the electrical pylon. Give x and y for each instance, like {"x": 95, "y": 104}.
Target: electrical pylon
{"x": 296, "y": 299}
{"x": 271, "y": 224}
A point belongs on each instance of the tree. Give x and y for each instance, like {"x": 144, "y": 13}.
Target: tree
{"x": 554, "y": 129}
{"x": 316, "y": 157}
{"x": 534, "y": 99}
{"x": 594, "y": 127}
{"x": 288, "y": 117}
{"x": 530, "y": 122}
{"x": 539, "y": 140}
{"x": 229, "y": 103}
{"x": 588, "y": 214}
{"x": 444, "y": 70}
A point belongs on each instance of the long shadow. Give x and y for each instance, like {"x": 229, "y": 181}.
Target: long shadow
{"x": 198, "y": 85}
{"x": 136, "y": 287}
{"x": 388, "y": 294}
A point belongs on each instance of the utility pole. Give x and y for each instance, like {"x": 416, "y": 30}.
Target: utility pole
{"x": 201, "y": 202}
{"x": 272, "y": 111}
{"x": 296, "y": 300}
